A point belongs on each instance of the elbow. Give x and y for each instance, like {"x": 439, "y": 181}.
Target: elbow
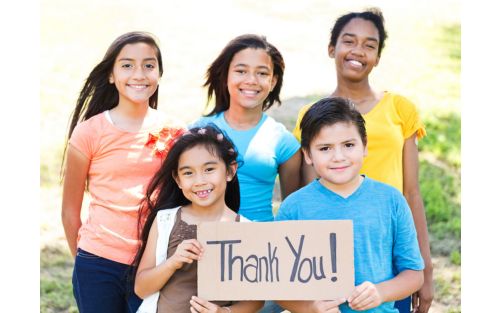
{"x": 139, "y": 291}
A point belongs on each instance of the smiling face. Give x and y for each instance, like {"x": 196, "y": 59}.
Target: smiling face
{"x": 250, "y": 79}
{"x": 356, "y": 50}
{"x": 202, "y": 177}
{"x": 135, "y": 73}
{"x": 336, "y": 154}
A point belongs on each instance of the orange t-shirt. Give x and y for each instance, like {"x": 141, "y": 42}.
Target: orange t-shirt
{"x": 121, "y": 166}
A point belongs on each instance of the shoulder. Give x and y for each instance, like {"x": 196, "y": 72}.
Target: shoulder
{"x": 205, "y": 120}
{"x": 382, "y": 191}
{"x": 277, "y": 128}
{"x": 309, "y": 191}
{"x": 94, "y": 123}
{"x": 401, "y": 103}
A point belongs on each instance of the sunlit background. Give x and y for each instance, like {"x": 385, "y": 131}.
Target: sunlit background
{"x": 421, "y": 61}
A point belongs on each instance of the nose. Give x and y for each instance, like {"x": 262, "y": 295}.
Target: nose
{"x": 139, "y": 73}
{"x": 357, "y": 50}
{"x": 199, "y": 180}
{"x": 338, "y": 155}
{"x": 251, "y": 78}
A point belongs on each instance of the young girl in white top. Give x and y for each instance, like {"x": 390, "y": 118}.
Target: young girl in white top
{"x": 196, "y": 183}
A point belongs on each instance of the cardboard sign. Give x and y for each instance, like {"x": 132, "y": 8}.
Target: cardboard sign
{"x": 292, "y": 260}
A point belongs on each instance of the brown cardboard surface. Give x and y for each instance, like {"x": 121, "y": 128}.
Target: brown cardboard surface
{"x": 289, "y": 260}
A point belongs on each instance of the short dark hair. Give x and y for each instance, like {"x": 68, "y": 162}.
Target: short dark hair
{"x": 216, "y": 76}
{"x": 373, "y": 15}
{"x": 327, "y": 112}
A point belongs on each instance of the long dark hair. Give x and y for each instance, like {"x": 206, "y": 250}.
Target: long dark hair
{"x": 163, "y": 193}
{"x": 216, "y": 76}
{"x": 97, "y": 94}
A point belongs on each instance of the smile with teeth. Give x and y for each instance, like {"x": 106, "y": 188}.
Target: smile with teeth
{"x": 355, "y": 63}
{"x": 203, "y": 193}
{"x": 249, "y": 92}
{"x": 138, "y": 87}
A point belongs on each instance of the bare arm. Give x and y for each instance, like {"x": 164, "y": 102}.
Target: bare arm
{"x": 290, "y": 175}
{"x": 200, "y": 305}
{"x": 330, "y": 306}
{"x": 150, "y": 278}
{"x": 411, "y": 192}
{"x": 368, "y": 295}
{"x": 75, "y": 177}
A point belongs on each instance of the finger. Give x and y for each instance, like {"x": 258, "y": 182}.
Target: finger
{"x": 187, "y": 246}
{"x": 195, "y": 243}
{"x": 414, "y": 302}
{"x": 424, "y": 306}
{"x": 357, "y": 291}
{"x": 192, "y": 310}
{"x": 368, "y": 303}
{"x": 197, "y": 306}
{"x": 202, "y": 302}
{"x": 360, "y": 298}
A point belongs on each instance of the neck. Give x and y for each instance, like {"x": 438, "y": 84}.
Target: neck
{"x": 344, "y": 190}
{"x": 241, "y": 119}
{"x": 360, "y": 93}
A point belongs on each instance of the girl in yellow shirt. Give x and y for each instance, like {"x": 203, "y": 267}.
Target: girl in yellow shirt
{"x": 392, "y": 123}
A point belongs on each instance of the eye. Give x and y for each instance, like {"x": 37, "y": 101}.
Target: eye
{"x": 263, "y": 73}
{"x": 348, "y": 42}
{"x": 240, "y": 71}
{"x": 127, "y": 65}
{"x": 209, "y": 169}
{"x": 186, "y": 173}
{"x": 349, "y": 145}
{"x": 324, "y": 148}
{"x": 150, "y": 66}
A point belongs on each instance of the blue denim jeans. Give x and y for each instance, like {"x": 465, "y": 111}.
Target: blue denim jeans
{"x": 403, "y": 305}
{"x": 100, "y": 285}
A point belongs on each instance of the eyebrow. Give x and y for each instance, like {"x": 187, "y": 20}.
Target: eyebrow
{"x": 130, "y": 59}
{"x": 204, "y": 164}
{"x": 246, "y": 65}
{"x": 332, "y": 144}
{"x": 353, "y": 35}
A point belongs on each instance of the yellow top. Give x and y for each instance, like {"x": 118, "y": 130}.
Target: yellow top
{"x": 393, "y": 120}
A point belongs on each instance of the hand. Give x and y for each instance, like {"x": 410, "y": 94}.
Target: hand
{"x": 422, "y": 299}
{"x": 327, "y": 306}
{"x": 200, "y": 305}
{"x": 365, "y": 296}
{"x": 186, "y": 252}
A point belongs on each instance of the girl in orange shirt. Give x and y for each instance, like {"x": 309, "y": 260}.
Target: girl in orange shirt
{"x": 117, "y": 140}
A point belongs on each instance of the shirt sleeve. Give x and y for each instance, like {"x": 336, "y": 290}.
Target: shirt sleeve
{"x": 411, "y": 119}
{"x": 285, "y": 211}
{"x": 406, "y": 252}
{"x": 296, "y": 131}
{"x": 287, "y": 146}
{"x": 83, "y": 139}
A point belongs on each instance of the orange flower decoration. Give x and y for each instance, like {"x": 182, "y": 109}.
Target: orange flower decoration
{"x": 162, "y": 141}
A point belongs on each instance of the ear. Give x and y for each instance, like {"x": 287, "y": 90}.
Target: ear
{"x": 331, "y": 51}
{"x": 111, "y": 79}
{"x": 376, "y": 62}
{"x": 231, "y": 171}
{"x": 273, "y": 82}
{"x": 307, "y": 157}
{"x": 177, "y": 181}
{"x": 365, "y": 151}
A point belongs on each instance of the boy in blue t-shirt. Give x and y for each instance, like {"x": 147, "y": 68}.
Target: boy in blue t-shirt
{"x": 387, "y": 261}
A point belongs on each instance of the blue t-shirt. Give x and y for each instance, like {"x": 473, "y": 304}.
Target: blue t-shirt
{"x": 261, "y": 150}
{"x": 385, "y": 239}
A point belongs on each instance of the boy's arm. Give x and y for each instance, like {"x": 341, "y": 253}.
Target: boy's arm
{"x": 330, "y": 306}
{"x": 201, "y": 305}
{"x": 411, "y": 192}
{"x": 368, "y": 295}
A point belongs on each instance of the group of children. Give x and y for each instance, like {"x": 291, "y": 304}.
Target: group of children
{"x": 152, "y": 181}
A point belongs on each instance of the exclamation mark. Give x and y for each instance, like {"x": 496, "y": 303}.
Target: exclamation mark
{"x": 333, "y": 252}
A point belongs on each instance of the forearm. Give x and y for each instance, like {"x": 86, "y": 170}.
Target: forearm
{"x": 246, "y": 306}
{"x": 296, "y": 306}
{"x": 149, "y": 281}
{"x": 418, "y": 212}
{"x": 401, "y": 286}
{"x": 71, "y": 225}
